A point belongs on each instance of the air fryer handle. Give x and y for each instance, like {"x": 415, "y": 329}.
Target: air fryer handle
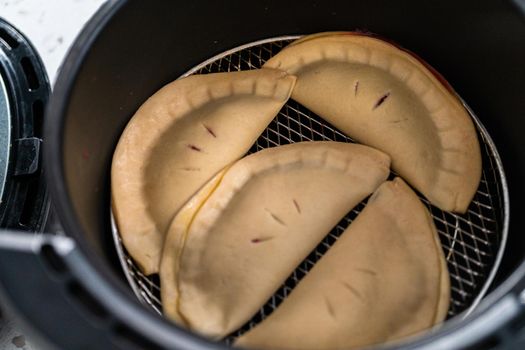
{"x": 39, "y": 282}
{"x": 38, "y": 286}
{"x": 63, "y": 302}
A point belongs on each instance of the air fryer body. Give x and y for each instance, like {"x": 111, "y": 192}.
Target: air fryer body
{"x": 132, "y": 48}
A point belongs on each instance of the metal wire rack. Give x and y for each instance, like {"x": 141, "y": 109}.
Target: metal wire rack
{"x": 473, "y": 243}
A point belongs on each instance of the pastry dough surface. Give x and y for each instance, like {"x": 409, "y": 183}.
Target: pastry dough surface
{"x": 385, "y": 97}
{"x": 179, "y": 139}
{"x": 384, "y": 279}
{"x": 239, "y": 239}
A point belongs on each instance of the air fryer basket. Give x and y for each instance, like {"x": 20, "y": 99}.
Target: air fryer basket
{"x": 473, "y": 243}
{"x": 132, "y": 48}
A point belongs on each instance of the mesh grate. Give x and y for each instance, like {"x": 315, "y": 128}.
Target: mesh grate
{"x": 472, "y": 243}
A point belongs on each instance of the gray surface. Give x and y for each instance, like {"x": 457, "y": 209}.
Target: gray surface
{"x": 11, "y": 338}
{"x": 51, "y": 25}
{"x": 5, "y": 126}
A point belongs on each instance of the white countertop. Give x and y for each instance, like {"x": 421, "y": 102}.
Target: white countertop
{"x": 51, "y": 25}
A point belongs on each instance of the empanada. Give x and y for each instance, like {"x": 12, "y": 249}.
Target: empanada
{"x": 387, "y": 98}
{"x": 180, "y": 138}
{"x": 237, "y": 241}
{"x": 385, "y": 278}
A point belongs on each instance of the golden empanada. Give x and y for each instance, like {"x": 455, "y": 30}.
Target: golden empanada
{"x": 238, "y": 239}
{"x": 387, "y": 98}
{"x": 179, "y": 139}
